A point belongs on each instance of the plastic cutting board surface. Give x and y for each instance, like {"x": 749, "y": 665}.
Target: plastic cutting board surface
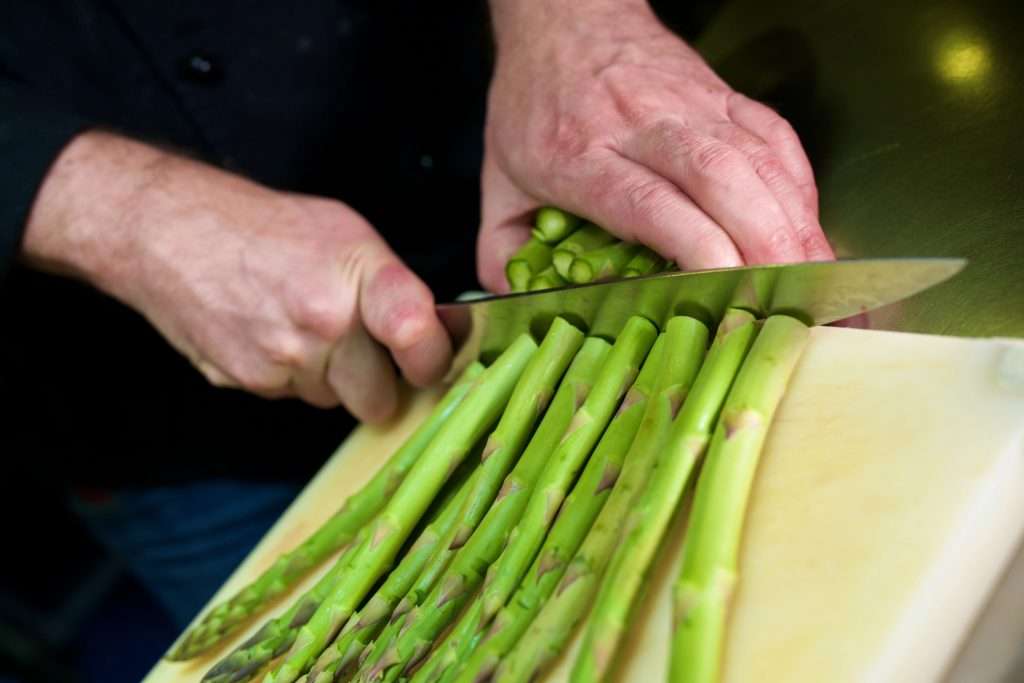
{"x": 889, "y": 500}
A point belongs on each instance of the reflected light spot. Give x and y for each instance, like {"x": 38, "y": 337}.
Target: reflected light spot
{"x": 963, "y": 59}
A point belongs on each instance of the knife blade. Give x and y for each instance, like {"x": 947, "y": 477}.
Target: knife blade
{"x": 817, "y": 292}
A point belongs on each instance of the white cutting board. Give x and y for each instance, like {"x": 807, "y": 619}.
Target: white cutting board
{"x": 889, "y": 501}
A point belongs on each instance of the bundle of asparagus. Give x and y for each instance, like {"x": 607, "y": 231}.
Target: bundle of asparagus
{"x": 533, "y": 501}
{"x": 564, "y": 249}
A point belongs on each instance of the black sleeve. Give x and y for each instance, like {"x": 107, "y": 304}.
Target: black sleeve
{"x": 32, "y": 134}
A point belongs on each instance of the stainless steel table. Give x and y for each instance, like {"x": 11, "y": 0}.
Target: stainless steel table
{"x": 911, "y": 112}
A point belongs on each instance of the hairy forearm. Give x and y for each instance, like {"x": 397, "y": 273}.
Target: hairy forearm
{"x": 79, "y": 224}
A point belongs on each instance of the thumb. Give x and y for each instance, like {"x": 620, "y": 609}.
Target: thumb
{"x": 397, "y": 310}
{"x": 505, "y": 218}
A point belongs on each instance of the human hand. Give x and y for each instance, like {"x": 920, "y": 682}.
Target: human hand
{"x": 279, "y": 294}
{"x": 597, "y": 108}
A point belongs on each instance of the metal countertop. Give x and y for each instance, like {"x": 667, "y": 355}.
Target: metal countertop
{"x": 911, "y": 113}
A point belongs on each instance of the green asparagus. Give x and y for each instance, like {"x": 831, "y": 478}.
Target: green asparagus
{"x": 710, "y": 551}
{"x": 587, "y": 238}
{"x": 603, "y": 263}
{"x": 424, "y": 624}
{"x": 225, "y": 618}
{"x": 553, "y": 225}
{"x": 376, "y": 609}
{"x": 549, "y": 633}
{"x": 532, "y": 258}
{"x": 467, "y": 424}
{"x": 546, "y": 279}
{"x": 650, "y": 516}
{"x": 571, "y": 526}
{"x": 644, "y": 262}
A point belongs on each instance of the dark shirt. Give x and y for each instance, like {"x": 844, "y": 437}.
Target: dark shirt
{"x": 377, "y": 104}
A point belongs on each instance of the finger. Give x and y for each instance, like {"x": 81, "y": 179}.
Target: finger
{"x": 640, "y": 206}
{"x": 776, "y": 131}
{"x": 787, "y": 191}
{"x": 309, "y": 381}
{"x": 505, "y": 214}
{"x": 398, "y": 311}
{"x": 361, "y": 375}
{"x": 720, "y": 179}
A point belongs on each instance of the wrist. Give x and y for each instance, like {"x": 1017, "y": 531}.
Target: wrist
{"x": 78, "y": 225}
{"x": 524, "y": 22}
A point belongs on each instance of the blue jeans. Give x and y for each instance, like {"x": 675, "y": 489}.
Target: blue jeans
{"x": 183, "y": 541}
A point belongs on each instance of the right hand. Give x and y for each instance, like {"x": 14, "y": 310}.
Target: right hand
{"x": 279, "y": 294}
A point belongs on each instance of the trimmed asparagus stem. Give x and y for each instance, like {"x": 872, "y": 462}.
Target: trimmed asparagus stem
{"x": 529, "y": 400}
{"x": 425, "y": 624}
{"x": 274, "y": 638}
{"x": 587, "y": 238}
{"x": 468, "y": 423}
{"x": 711, "y": 548}
{"x": 550, "y": 631}
{"x": 486, "y": 542}
{"x": 339, "y": 530}
{"x": 655, "y": 506}
{"x": 553, "y": 225}
{"x": 532, "y": 258}
{"x": 644, "y": 262}
{"x": 506, "y": 573}
{"x": 601, "y": 264}
{"x": 574, "y": 520}
{"x": 379, "y": 607}
{"x": 546, "y": 279}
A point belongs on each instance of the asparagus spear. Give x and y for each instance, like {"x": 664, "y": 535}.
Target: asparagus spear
{"x": 424, "y": 624}
{"x": 277, "y": 635}
{"x": 549, "y": 632}
{"x": 546, "y": 279}
{"x": 228, "y": 616}
{"x": 574, "y": 389}
{"x": 468, "y": 423}
{"x": 603, "y": 263}
{"x": 553, "y": 225}
{"x": 505, "y": 574}
{"x": 655, "y": 506}
{"x": 574, "y": 519}
{"x": 527, "y": 403}
{"x": 532, "y": 258}
{"x": 644, "y": 262}
{"x": 587, "y": 238}
{"x": 709, "y": 562}
{"x": 408, "y": 569}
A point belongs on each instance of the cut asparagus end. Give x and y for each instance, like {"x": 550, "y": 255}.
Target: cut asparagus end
{"x": 546, "y": 279}
{"x": 554, "y": 225}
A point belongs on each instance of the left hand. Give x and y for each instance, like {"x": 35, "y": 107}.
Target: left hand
{"x": 595, "y": 107}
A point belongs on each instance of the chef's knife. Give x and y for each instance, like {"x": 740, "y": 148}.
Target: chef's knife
{"x": 817, "y": 292}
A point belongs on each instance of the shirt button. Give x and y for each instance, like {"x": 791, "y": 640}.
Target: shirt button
{"x": 200, "y": 67}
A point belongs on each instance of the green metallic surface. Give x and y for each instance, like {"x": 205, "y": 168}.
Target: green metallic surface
{"x": 911, "y": 112}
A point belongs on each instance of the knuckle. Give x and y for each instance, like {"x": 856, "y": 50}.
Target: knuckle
{"x": 402, "y": 326}
{"x": 647, "y": 200}
{"x": 780, "y": 130}
{"x": 324, "y": 316}
{"x": 672, "y": 137}
{"x": 770, "y": 169}
{"x": 713, "y": 158}
{"x": 567, "y": 139}
{"x": 287, "y": 349}
{"x": 778, "y": 243}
